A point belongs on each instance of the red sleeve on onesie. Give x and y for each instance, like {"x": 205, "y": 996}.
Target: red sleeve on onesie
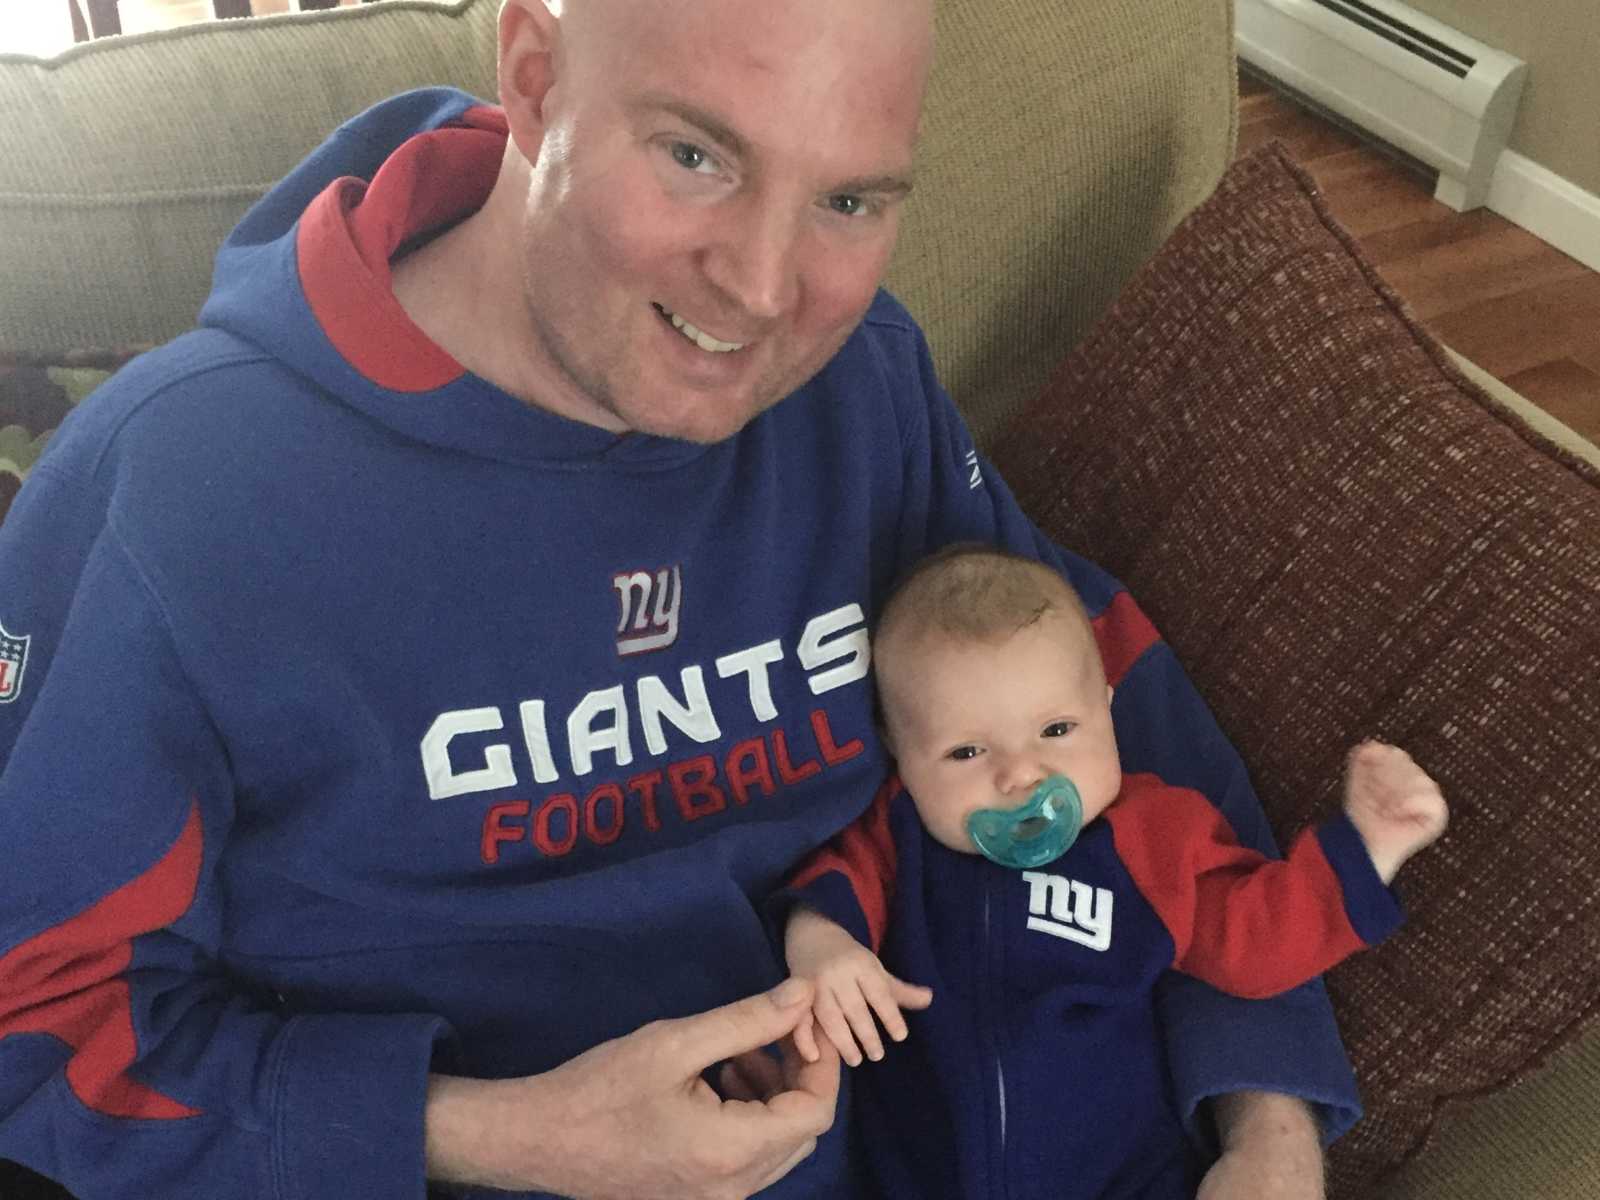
{"x": 863, "y": 852}
{"x": 1249, "y": 925}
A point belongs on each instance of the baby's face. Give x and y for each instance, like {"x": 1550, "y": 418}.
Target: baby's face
{"x": 979, "y": 724}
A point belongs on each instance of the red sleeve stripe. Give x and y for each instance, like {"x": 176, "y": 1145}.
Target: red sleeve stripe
{"x": 67, "y": 981}
{"x": 1123, "y": 633}
{"x": 864, "y": 854}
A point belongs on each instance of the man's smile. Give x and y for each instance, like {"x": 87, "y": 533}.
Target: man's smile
{"x": 697, "y": 335}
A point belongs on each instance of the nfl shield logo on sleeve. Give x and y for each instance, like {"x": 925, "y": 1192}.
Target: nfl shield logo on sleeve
{"x": 13, "y": 657}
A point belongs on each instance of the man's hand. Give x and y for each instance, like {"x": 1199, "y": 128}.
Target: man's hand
{"x": 632, "y": 1119}
{"x": 1271, "y": 1150}
{"x": 851, "y": 984}
{"x": 1394, "y": 804}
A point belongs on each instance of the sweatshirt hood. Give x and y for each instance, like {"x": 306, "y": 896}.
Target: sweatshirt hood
{"x": 305, "y": 277}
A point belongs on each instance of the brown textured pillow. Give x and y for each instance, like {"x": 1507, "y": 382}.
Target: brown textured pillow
{"x": 1343, "y": 537}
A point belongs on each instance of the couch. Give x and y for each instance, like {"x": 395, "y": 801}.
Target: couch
{"x": 1186, "y": 371}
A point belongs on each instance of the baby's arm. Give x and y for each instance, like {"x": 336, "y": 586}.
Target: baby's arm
{"x": 850, "y": 985}
{"x": 1255, "y": 927}
{"x": 1394, "y": 804}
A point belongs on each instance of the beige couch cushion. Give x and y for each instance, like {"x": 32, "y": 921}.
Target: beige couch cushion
{"x": 1061, "y": 143}
{"x": 1342, "y": 537}
{"x": 125, "y": 162}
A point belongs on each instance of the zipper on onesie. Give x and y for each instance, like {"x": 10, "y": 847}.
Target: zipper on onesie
{"x": 990, "y": 957}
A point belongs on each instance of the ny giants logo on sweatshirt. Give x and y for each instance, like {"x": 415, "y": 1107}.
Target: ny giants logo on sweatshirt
{"x": 1065, "y": 908}
{"x": 13, "y": 658}
{"x": 650, "y": 602}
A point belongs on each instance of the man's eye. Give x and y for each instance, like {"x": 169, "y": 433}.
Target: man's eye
{"x": 962, "y": 753}
{"x": 689, "y": 156}
{"x": 1057, "y": 729}
{"x": 847, "y": 205}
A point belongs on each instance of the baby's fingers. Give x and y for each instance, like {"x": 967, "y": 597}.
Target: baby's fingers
{"x": 831, "y": 1017}
{"x": 858, "y": 1009}
{"x": 1425, "y": 807}
{"x": 805, "y": 1039}
{"x": 888, "y": 996}
{"x": 910, "y": 995}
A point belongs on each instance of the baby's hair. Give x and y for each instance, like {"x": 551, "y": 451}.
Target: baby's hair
{"x": 975, "y": 592}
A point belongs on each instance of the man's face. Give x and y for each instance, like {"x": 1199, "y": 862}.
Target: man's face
{"x": 714, "y": 201}
{"x": 980, "y": 724}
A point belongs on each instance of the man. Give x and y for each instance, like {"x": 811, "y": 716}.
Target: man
{"x": 485, "y": 639}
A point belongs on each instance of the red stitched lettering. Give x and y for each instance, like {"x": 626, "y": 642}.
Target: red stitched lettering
{"x": 567, "y": 804}
{"x": 831, "y": 754}
{"x": 740, "y": 776}
{"x": 755, "y": 766}
{"x": 696, "y": 778}
{"x": 494, "y": 832}
{"x": 603, "y": 836}
{"x": 645, "y": 786}
{"x": 786, "y": 772}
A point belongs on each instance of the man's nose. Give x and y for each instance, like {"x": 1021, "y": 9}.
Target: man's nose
{"x": 753, "y": 261}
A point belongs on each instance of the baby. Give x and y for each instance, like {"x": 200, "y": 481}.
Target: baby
{"x": 1042, "y": 894}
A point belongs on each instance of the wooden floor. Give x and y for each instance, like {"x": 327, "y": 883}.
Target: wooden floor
{"x": 1522, "y": 310}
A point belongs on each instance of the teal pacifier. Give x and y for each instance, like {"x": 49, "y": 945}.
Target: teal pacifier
{"x": 1034, "y": 833}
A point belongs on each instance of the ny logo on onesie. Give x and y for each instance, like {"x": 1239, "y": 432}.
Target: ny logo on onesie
{"x": 13, "y": 658}
{"x": 1065, "y": 908}
{"x": 650, "y": 601}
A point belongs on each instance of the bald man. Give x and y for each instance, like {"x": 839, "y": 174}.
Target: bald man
{"x": 483, "y": 592}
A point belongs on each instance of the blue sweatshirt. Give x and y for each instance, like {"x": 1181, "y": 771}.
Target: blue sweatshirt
{"x": 372, "y": 722}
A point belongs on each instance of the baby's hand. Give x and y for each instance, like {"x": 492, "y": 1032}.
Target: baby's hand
{"x": 850, "y": 984}
{"x": 1394, "y": 804}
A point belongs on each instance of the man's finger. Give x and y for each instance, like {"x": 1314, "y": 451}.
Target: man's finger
{"x": 751, "y": 1076}
{"x": 794, "y": 1116}
{"x": 700, "y": 1040}
{"x": 819, "y": 1079}
{"x": 732, "y": 1085}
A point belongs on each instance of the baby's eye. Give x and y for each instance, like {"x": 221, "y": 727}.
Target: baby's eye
{"x": 962, "y": 753}
{"x": 1057, "y": 729}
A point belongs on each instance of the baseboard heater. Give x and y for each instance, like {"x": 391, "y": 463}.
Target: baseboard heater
{"x": 1418, "y": 84}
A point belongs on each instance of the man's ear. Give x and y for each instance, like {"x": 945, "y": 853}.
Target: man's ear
{"x": 530, "y": 37}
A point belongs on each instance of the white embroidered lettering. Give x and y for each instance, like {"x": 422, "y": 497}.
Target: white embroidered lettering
{"x": 691, "y": 715}
{"x": 583, "y": 739}
{"x": 443, "y": 780}
{"x": 1065, "y": 908}
{"x": 536, "y": 737}
{"x": 852, "y": 645}
{"x": 753, "y": 663}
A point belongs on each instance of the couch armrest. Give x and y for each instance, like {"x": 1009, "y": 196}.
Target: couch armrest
{"x": 1540, "y": 1140}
